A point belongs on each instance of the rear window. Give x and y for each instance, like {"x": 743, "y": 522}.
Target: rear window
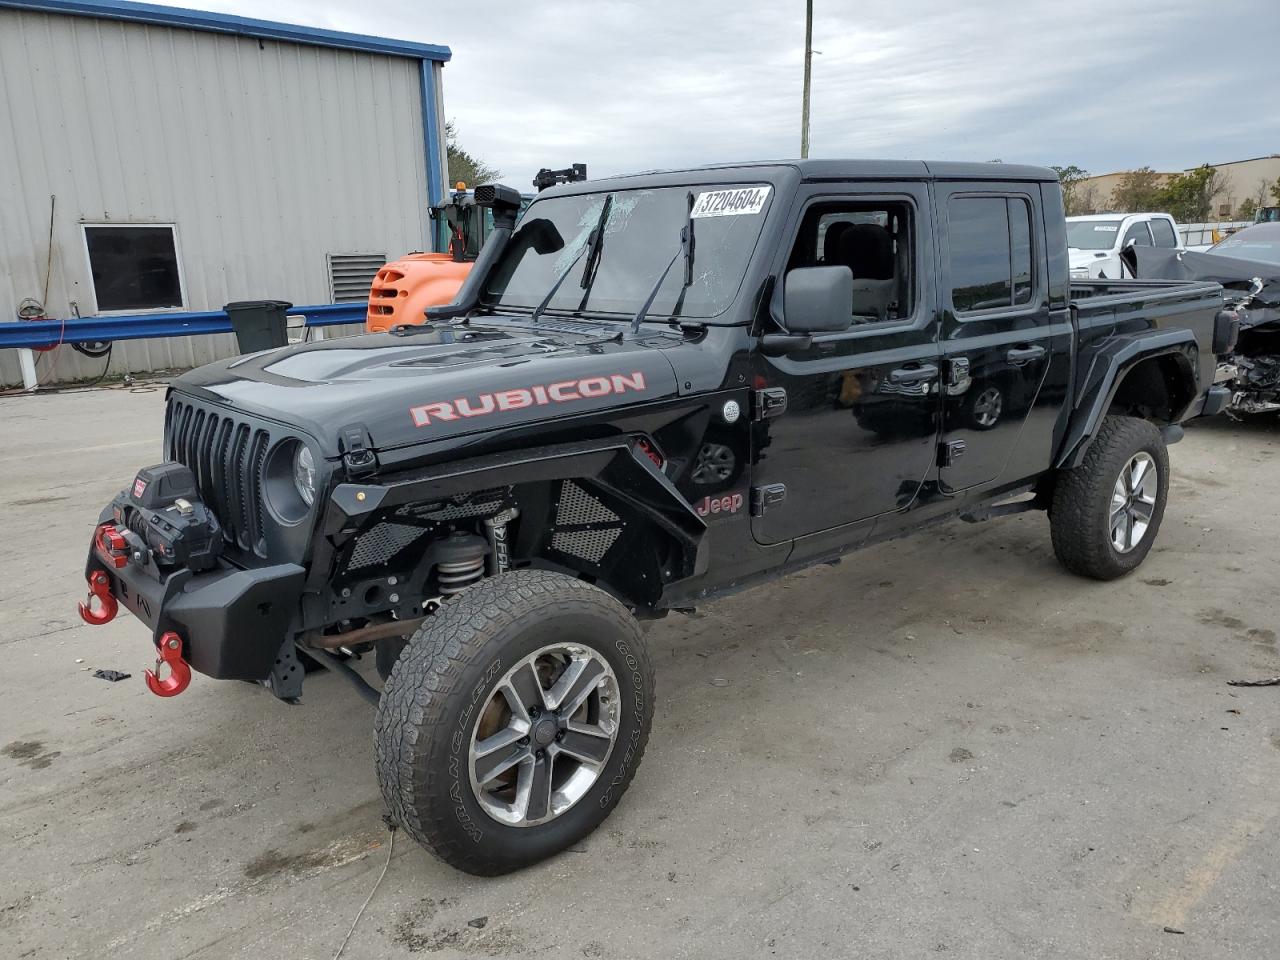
{"x": 990, "y": 252}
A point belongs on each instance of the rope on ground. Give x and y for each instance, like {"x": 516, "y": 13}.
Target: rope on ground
{"x": 391, "y": 845}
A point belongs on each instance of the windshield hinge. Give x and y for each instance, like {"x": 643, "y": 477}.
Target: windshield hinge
{"x": 357, "y": 450}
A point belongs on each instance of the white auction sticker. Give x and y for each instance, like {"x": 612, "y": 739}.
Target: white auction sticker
{"x": 1107, "y": 228}
{"x": 730, "y": 203}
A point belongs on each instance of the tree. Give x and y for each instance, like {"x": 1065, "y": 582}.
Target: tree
{"x": 1189, "y": 196}
{"x": 1137, "y": 192}
{"x": 1275, "y": 190}
{"x": 1075, "y": 198}
{"x": 1248, "y": 207}
{"x": 462, "y": 165}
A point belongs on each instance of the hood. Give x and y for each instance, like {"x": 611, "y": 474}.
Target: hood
{"x": 442, "y": 381}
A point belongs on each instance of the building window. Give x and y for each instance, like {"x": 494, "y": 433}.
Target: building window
{"x": 351, "y": 275}
{"x": 134, "y": 266}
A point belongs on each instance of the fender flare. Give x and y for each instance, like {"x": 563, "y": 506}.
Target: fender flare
{"x": 615, "y": 464}
{"x": 1109, "y": 364}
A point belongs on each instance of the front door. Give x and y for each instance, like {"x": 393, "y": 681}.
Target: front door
{"x": 858, "y": 433}
{"x": 997, "y": 338}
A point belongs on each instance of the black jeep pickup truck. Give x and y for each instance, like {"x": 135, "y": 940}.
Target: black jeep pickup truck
{"x": 654, "y": 390}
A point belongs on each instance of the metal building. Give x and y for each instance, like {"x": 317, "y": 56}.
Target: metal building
{"x": 160, "y": 159}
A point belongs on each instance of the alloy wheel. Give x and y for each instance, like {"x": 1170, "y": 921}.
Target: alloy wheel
{"x": 545, "y": 734}
{"x": 1133, "y": 502}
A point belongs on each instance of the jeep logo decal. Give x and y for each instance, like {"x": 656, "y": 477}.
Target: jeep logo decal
{"x": 564, "y": 391}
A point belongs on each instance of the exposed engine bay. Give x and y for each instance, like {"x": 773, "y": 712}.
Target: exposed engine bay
{"x": 1250, "y": 288}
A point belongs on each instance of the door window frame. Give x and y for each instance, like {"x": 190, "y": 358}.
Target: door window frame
{"x": 864, "y": 193}
{"x": 1039, "y": 281}
{"x": 1145, "y": 225}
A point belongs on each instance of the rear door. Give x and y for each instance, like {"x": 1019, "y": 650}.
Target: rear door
{"x": 997, "y": 338}
{"x": 857, "y": 435}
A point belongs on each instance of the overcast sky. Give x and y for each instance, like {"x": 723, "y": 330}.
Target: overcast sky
{"x": 1105, "y": 84}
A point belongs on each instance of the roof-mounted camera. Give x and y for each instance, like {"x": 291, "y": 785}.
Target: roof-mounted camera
{"x": 549, "y": 178}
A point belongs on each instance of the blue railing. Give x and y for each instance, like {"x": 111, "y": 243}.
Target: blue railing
{"x": 35, "y": 334}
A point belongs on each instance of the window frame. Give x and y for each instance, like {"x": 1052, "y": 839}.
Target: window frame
{"x": 1173, "y": 232}
{"x": 1038, "y": 278}
{"x": 1145, "y": 225}
{"x": 182, "y": 307}
{"x": 918, "y": 207}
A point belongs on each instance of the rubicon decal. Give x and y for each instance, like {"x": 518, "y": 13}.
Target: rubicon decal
{"x": 540, "y": 395}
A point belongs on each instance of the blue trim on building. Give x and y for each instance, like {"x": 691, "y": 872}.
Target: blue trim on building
{"x": 238, "y": 26}
{"x": 435, "y": 188}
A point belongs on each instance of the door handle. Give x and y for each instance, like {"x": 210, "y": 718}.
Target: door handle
{"x": 1020, "y": 355}
{"x": 905, "y": 375}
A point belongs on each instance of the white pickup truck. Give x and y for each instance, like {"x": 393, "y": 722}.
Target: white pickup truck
{"x": 1094, "y": 242}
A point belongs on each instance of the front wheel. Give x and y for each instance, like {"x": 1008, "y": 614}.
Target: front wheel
{"x": 1107, "y": 511}
{"x": 514, "y": 720}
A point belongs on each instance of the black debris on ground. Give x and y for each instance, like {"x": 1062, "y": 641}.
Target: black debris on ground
{"x": 113, "y": 675}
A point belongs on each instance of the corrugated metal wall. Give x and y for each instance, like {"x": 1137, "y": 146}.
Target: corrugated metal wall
{"x": 267, "y": 156}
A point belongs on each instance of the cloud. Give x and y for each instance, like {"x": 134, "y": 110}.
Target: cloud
{"x": 633, "y": 86}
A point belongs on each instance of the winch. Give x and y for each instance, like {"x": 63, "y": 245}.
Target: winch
{"x": 162, "y": 508}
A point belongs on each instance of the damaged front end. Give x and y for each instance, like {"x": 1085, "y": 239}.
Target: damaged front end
{"x": 1250, "y": 291}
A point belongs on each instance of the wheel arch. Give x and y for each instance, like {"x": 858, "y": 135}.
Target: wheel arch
{"x": 660, "y": 536}
{"x": 1151, "y": 376}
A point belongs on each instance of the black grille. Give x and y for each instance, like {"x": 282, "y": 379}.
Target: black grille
{"x": 227, "y": 456}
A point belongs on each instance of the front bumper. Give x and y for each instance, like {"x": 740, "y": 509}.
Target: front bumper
{"x": 231, "y": 621}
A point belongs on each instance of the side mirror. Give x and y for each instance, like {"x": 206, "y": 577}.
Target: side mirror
{"x": 818, "y": 300}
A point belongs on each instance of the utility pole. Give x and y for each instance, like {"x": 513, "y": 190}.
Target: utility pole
{"x": 808, "y": 67}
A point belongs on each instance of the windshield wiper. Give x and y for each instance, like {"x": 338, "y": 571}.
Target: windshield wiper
{"x": 591, "y": 250}
{"x": 685, "y": 250}
{"x": 595, "y": 244}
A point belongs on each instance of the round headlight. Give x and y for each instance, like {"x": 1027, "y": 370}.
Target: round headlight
{"x": 304, "y": 474}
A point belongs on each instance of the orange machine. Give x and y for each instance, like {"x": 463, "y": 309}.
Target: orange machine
{"x": 404, "y": 288}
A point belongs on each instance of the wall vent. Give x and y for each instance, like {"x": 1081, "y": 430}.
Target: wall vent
{"x": 351, "y": 275}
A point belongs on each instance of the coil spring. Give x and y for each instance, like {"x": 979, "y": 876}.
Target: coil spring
{"x": 456, "y": 576}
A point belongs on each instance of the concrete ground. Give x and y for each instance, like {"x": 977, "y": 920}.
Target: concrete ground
{"x": 945, "y": 746}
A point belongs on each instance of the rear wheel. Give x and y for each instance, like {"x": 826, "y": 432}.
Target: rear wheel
{"x": 1107, "y": 511}
{"x": 514, "y": 720}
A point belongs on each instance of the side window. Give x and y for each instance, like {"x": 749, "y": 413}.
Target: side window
{"x": 1137, "y": 234}
{"x": 990, "y": 252}
{"x": 1162, "y": 230}
{"x": 875, "y": 240}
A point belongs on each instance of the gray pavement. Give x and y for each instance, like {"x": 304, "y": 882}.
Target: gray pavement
{"x": 945, "y": 746}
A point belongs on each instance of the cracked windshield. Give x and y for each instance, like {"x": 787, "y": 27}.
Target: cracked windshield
{"x": 643, "y": 239}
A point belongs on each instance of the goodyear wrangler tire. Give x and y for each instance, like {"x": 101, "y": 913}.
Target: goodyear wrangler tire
{"x": 1107, "y": 511}
{"x": 514, "y": 720}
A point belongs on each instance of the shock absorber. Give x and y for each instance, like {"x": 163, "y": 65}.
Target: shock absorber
{"x": 499, "y": 550}
{"x": 461, "y": 562}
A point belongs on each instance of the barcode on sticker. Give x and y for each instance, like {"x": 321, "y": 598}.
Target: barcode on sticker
{"x": 730, "y": 203}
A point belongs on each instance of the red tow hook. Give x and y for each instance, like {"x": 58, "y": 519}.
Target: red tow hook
{"x": 100, "y": 587}
{"x": 179, "y": 673}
